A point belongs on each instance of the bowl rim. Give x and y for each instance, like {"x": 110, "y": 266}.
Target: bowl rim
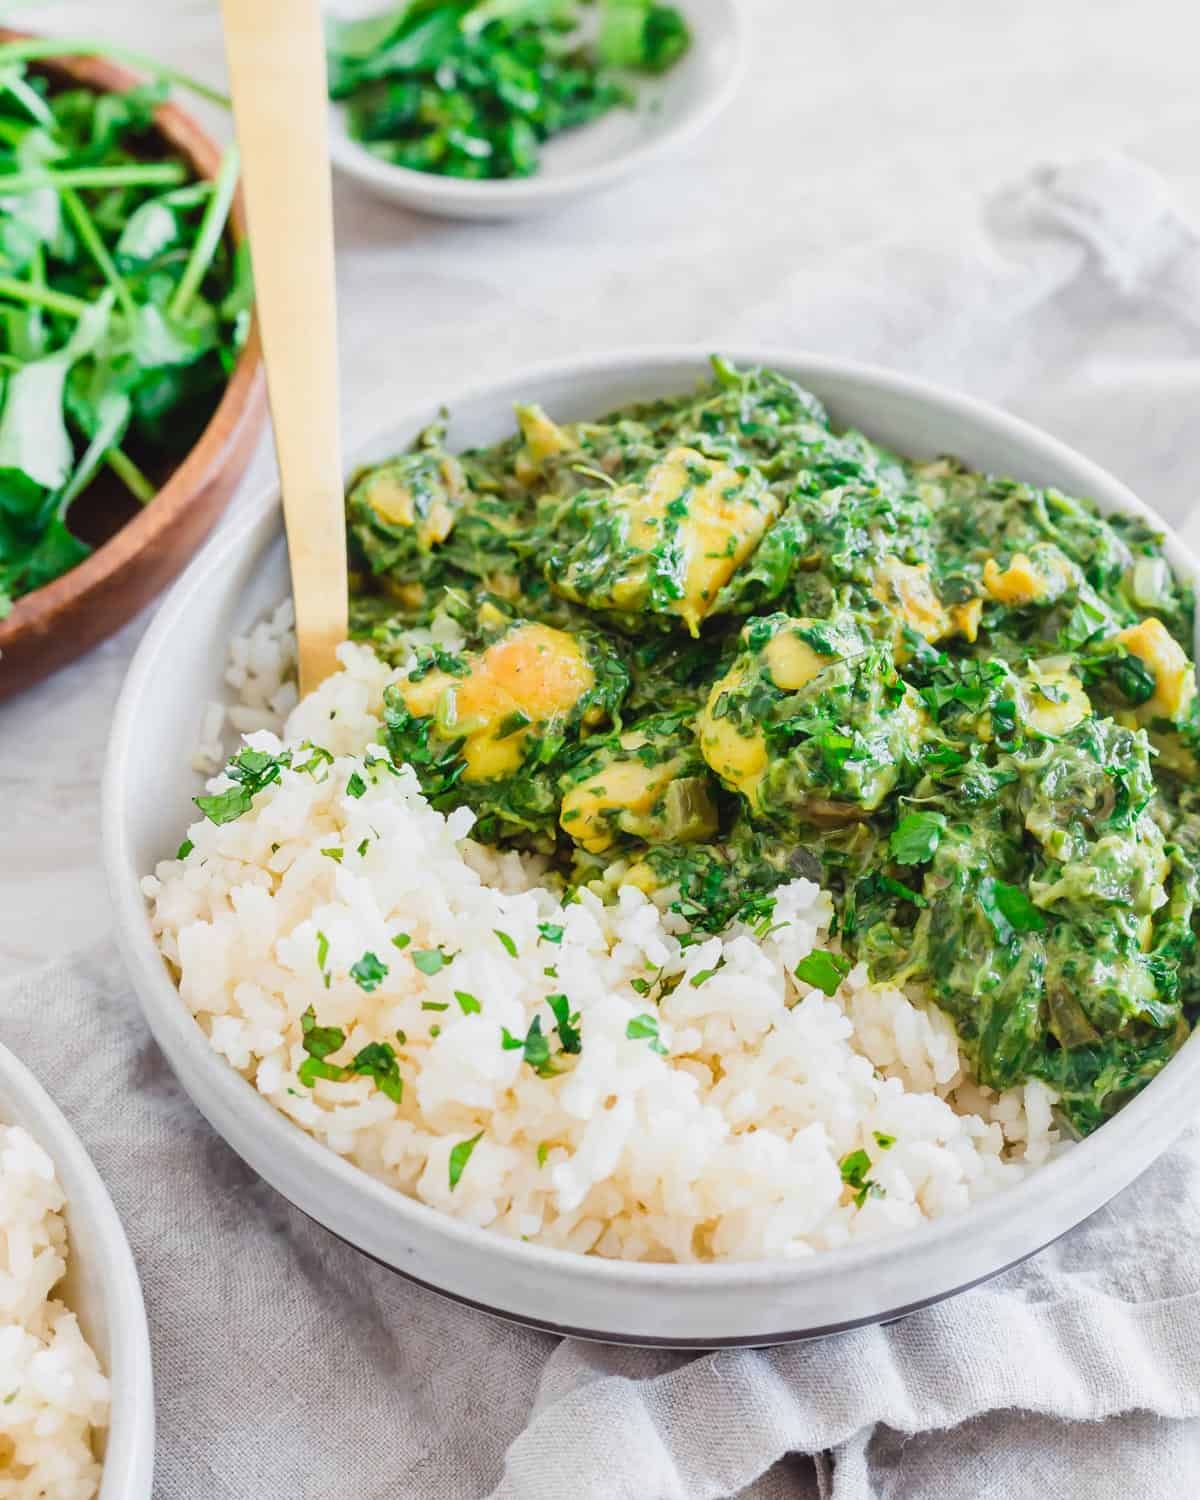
{"x": 505, "y": 195}
{"x": 1076, "y": 1183}
{"x": 128, "y": 1465}
{"x": 244, "y": 387}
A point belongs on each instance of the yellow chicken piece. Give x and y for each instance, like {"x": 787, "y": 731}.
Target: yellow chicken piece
{"x": 544, "y": 438}
{"x": 1039, "y": 579}
{"x": 634, "y": 789}
{"x": 738, "y": 759}
{"x": 512, "y": 690}
{"x": 726, "y": 515}
{"x": 792, "y": 662}
{"x": 393, "y": 500}
{"x": 1174, "y": 676}
{"x": 1053, "y": 698}
{"x": 698, "y": 517}
{"x": 907, "y": 591}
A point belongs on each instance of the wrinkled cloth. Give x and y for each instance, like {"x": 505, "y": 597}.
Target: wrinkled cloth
{"x": 287, "y": 1365}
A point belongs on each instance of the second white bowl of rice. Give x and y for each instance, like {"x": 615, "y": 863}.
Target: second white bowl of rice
{"x": 699, "y": 1231}
{"x": 76, "y": 1389}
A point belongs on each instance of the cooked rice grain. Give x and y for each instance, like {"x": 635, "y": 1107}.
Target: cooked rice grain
{"x": 53, "y": 1395}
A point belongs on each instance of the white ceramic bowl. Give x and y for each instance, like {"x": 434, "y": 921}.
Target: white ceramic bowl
{"x": 147, "y": 786}
{"x": 101, "y": 1285}
{"x": 670, "y": 111}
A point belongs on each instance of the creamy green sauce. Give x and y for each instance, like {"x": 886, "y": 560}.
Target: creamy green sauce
{"x": 713, "y": 644}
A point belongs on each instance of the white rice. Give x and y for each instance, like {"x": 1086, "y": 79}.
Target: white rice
{"x": 53, "y": 1395}
{"x": 728, "y": 1145}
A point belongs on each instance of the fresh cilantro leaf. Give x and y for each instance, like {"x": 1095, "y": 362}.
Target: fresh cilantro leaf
{"x": 369, "y": 972}
{"x": 645, "y": 1028}
{"x": 506, "y": 942}
{"x": 184, "y": 849}
{"x": 915, "y": 838}
{"x": 1008, "y": 909}
{"x": 550, "y": 932}
{"x": 355, "y": 786}
{"x": 823, "y": 970}
{"x": 313, "y": 1068}
{"x": 460, "y": 1155}
{"x": 854, "y": 1168}
{"x": 227, "y": 806}
{"x": 319, "y": 1041}
{"x": 467, "y": 1003}
{"x": 884, "y": 1142}
{"x": 429, "y": 960}
{"x": 566, "y": 1024}
{"x": 335, "y": 853}
{"x": 401, "y": 940}
{"x": 377, "y": 1060}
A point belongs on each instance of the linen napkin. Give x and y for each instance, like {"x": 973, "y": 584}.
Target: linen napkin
{"x": 288, "y": 1365}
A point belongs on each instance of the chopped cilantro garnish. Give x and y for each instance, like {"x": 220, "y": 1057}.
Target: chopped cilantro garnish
{"x": 319, "y": 757}
{"x": 1008, "y": 909}
{"x": 884, "y": 1142}
{"x": 701, "y": 975}
{"x": 319, "y": 1041}
{"x": 543, "y": 1151}
{"x": 435, "y": 1005}
{"x": 551, "y": 971}
{"x": 356, "y": 786}
{"x": 535, "y": 1046}
{"x": 368, "y": 972}
{"x": 566, "y": 1024}
{"x": 460, "y": 1155}
{"x": 645, "y": 1028}
{"x": 550, "y": 932}
{"x": 823, "y": 970}
{"x": 184, "y": 849}
{"x": 377, "y": 1060}
{"x": 401, "y": 940}
{"x": 429, "y": 960}
{"x": 362, "y": 848}
{"x": 915, "y": 838}
{"x": 642, "y": 986}
{"x": 313, "y": 1068}
{"x": 854, "y": 1168}
{"x": 252, "y": 770}
{"x": 334, "y": 852}
{"x": 506, "y": 942}
{"x": 322, "y": 950}
{"x": 467, "y": 1003}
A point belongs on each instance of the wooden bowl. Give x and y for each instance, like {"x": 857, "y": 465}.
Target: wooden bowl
{"x": 56, "y": 623}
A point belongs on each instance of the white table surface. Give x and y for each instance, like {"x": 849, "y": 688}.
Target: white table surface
{"x": 859, "y": 119}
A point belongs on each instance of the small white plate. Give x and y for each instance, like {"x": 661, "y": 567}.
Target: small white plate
{"x": 101, "y": 1285}
{"x": 670, "y": 111}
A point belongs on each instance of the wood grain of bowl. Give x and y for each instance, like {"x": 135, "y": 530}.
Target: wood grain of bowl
{"x": 55, "y": 624}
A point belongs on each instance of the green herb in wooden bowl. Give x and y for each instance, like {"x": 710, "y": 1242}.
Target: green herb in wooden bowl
{"x": 125, "y": 317}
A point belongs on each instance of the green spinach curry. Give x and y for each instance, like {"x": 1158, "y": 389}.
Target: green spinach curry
{"x": 712, "y": 645}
